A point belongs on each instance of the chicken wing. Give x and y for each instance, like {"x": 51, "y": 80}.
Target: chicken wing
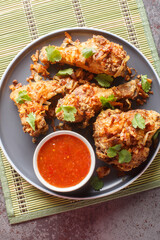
{"x": 115, "y": 128}
{"x": 108, "y": 57}
{"x": 87, "y": 99}
{"x": 34, "y": 99}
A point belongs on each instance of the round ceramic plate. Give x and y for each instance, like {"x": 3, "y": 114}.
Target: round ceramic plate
{"x": 18, "y": 146}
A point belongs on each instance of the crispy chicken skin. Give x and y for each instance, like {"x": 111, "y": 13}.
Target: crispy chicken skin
{"x": 114, "y": 127}
{"x": 86, "y": 99}
{"x": 40, "y": 93}
{"x": 109, "y": 58}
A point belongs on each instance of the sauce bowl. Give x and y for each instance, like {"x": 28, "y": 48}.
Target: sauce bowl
{"x": 69, "y": 188}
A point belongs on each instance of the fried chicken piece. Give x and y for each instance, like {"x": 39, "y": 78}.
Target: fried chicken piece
{"x": 114, "y": 127}
{"x": 109, "y": 58}
{"x": 86, "y": 99}
{"x": 40, "y": 94}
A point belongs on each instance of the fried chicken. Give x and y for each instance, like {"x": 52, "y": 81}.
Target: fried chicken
{"x": 86, "y": 99}
{"x": 39, "y": 94}
{"x": 114, "y": 127}
{"x": 108, "y": 57}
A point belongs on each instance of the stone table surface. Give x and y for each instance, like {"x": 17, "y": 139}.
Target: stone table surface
{"x": 127, "y": 218}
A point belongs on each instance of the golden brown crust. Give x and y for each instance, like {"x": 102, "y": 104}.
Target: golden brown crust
{"x": 109, "y": 58}
{"x": 41, "y": 93}
{"x": 86, "y": 99}
{"x": 114, "y": 127}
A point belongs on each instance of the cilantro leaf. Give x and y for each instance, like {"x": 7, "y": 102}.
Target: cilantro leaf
{"x": 146, "y": 86}
{"x": 111, "y": 98}
{"x": 53, "y": 55}
{"x": 138, "y": 121}
{"x": 22, "y": 97}
{"x": 106, "y": 104}
{"x": 88, "y": 52}
{"x": 106, "y": 101}
{"x": 68, "y": 112}
{"x": 124, "y": 156}
{"x": 156, "y": 134}
{"x": 31, "y": 120}
{"x": 65, "y": 72}
{"x": 104, "y": 80}
{"x": 112, "y": 151}
{"x": 96, "y": 183}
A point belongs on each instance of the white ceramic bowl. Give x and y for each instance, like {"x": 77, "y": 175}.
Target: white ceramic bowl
{"x": 67, "y": 189}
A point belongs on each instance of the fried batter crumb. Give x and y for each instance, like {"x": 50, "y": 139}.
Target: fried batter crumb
{"x": 103, "y": 171}
{"x": 64, "y": 126}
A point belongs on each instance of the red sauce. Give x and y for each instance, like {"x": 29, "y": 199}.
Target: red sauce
{"x": 64, "y": 161}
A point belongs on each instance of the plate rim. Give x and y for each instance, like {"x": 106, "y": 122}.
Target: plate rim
{"x": 62, "y": 30}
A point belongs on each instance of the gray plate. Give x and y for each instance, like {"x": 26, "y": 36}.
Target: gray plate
{"x": 18, "y": 146}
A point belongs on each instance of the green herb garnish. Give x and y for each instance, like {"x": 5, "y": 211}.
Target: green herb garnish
{"x": 112, "y": 151}
{"x": 88, "y": 52}
{"x": 96, "y": 183}
{"x": 31, "y": 120}
{"x": 138, "y": 121}
{"x": 53, "y": 55}
{"x": 124, "y": 156}
{"x": 104, "y": 80}
{"x": 146, "y": 86}
{"x": 106, "y": 101}
{"x": 156, "y": 134}
{"x": 65, "y": 72}
{"x": 22, "y": 97}
{"x": 111, "y": 98}
{"x": 68, "y": 112}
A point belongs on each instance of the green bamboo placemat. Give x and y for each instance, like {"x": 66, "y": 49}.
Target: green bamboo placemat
{"x": 24, "y": 21}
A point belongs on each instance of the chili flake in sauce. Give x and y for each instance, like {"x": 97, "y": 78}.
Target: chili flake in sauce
{"x": 64, "y": 161}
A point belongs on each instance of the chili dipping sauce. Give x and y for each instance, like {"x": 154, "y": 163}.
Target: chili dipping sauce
{"x": 64, "y": 161}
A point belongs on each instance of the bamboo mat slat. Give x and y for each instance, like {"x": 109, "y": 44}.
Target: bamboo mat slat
{"x": 23, "y": 21}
